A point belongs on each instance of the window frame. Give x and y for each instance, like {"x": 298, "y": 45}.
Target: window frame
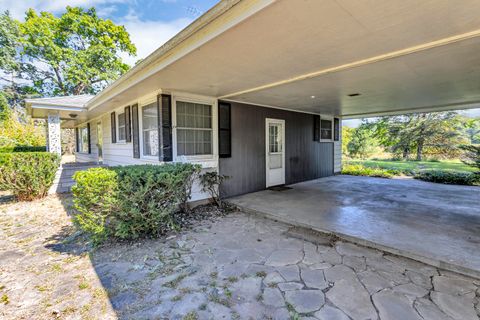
{"x": 80, "y": 142}
{"x": 328, "y": 118}
{"x": 118, "y": 114}
{"x": 141, "y": 105}
{"x": 213, "y": 103}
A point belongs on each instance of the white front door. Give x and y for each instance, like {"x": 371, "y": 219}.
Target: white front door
{"x": 275, "y": 151}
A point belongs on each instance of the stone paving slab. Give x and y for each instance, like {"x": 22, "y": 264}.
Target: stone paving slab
{"x": 234, "y": 267}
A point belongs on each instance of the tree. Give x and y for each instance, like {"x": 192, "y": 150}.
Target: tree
{"x": 347, "y": 133}
{"x": 73, "y": 54}
{"x": 472, "y": 156}
{"x": 472, "y": 129}
{"x": 363, "y": 142}
{"x": 9, "y": 40}
{"x": 414, "y": 132}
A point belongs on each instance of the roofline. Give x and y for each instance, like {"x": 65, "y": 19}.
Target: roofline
{"x": 167, "y": 49}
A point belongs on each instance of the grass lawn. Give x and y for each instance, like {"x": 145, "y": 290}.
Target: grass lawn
{"x": 447, "y": 165}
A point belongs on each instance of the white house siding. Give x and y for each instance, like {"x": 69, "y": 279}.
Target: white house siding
{"x": 337, "y": 153}
{"x": 121, "y": 153}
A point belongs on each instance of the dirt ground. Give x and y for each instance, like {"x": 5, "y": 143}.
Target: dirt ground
{"x": 232, "y": 267}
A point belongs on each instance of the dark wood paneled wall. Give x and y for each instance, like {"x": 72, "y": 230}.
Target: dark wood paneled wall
{"x": 305, "y": 159}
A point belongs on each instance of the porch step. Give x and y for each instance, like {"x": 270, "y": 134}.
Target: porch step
{"x": 63, "y": 181}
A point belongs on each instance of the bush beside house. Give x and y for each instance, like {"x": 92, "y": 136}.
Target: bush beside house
{"x": 28, "y": 175}
{"x": 132, "y": 201}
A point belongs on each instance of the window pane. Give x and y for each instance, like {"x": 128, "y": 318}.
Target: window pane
{"x": 326, "y": 129}
{"x": 194, "y": 128}
{"x": 84, "y": 140}
{"x": 150, "y": 130}
{"x": 121, "y": 126}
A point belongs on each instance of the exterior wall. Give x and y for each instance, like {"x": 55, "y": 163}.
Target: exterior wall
{"x": 121, "y": 153}
{"x": 305, "y": 159}
{"x": 337, "y": 158}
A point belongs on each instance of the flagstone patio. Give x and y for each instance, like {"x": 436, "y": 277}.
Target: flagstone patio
{"x": 234, "y": 267}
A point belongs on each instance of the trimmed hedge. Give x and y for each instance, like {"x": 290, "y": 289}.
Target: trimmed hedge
{"x": 28, "y": 175}
{"x": 449, "y": 177}
{"x": 23, "y": 149}
{"x": 359, "y": 170}
{"x": 132, "y": 201}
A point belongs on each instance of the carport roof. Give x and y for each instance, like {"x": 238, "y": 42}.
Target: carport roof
{"x": 346, "y": 57}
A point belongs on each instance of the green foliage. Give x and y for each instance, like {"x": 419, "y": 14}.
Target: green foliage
{"x": 14, "y": 133}
{"x": 95, "y": 198}
{"x": 410, "y": 167}
{"x": 472, "y": 156}
{"x": 23, "y": 149}
{"x": 9, "y": 38}
{"x": 363, "y": 142}
{"x": 211, "y": 182}
{"x": 359, "y": 170}
{"x": 28, "y": 175}
{"x": 449, "y": 177}
{"x": 79, "y": 51}
{"x": 347, "y": 133}
{"x": 132, "y": 201}
{"x": 149, "y": 195}
{"x": 435, "y": 133}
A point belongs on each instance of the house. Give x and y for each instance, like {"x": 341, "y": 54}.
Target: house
{"x": 257, "y": 89}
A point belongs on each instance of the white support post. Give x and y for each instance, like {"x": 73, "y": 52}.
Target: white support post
{"x": 54, "y": 144}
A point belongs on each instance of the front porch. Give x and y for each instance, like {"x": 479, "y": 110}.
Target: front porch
{"x": 401, "y": 216}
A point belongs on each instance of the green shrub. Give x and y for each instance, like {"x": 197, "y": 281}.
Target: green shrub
{"x": 23, "y": 149}
{"x": 211, "y": 182}
{"x": 28, "y": 175}
{"x": 132, "y": 201}
{"x": 359, "y": 170}
{"x": 449, "y": 177}
{"x": 95, "y": 198}
{"x": 149, "y": 195}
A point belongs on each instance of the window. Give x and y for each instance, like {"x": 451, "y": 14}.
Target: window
{"x": 150, "y": 129}
{"x": 326, "y": 129}
{"x": 83, "y": 140}
{"x": 121, "y": 127}
{"x": 194, "y": 128}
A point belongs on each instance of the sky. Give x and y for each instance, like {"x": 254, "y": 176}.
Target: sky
{"x": 149, "y": 22}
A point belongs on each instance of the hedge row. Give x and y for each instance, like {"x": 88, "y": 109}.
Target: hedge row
{"x": 131, "y": 201}
{"x": 449, "y": 177}
{"x": 23, "y": 149}
{"x": 28, "y": 175}
{"x": 437, "y": 176}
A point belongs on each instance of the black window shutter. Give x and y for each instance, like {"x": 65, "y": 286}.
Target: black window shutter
{"x": 77, "y": 144}
{"x": 88, "y": 135}
{"x": 113, "y": 127}
{"x": 336, "y": 128}
{"x": 316, "y": 128}
{"x": 135, "y": 134}
{"x": 224, "y": 130}
{"x": 164, "y": 108}
{"x": 128, "y": 132}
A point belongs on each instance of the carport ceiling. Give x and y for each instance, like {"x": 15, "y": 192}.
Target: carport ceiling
{"x": 399, "y": 55}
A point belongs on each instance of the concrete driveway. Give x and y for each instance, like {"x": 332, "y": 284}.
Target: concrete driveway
{"x": 433, "y": 223}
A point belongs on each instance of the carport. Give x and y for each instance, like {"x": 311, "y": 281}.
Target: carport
{"x": 433, "y": 223}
